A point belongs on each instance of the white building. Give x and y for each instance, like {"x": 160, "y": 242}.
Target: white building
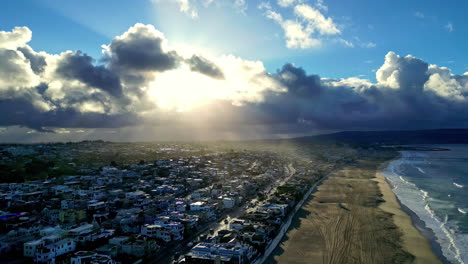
{"x": 29, "y": 248}
{"x": 237, "y": 224}
{"x": 229, "y": 202}
{"x": 156, "y": 231}
{"x": 48, "y": 253}
{"x": 81, "y": 230}
{"x": 225, "y": 253}
{"x": 199, "y": 206}
{"x": 176, "y": 228}
{"x": 135, "y": 195}
{"x": 90, "y": 257}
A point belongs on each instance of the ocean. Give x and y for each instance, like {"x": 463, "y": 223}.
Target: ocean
{"x": 434, "y": 185}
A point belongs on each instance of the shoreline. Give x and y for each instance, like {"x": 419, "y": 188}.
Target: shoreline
{"x": 342, "y": 217}
{"x": 416, "y": 238}
{"x": 425, "y": 231}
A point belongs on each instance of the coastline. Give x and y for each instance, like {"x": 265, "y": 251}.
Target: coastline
{"x": 416, "y": 238}
{"x": 427, "y": 232}
{"x": 341, "y": 218}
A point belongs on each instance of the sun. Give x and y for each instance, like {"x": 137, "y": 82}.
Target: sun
{"x": 182, "y": 90}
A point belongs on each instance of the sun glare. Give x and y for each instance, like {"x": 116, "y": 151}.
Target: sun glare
{"x": 182, "y": 90}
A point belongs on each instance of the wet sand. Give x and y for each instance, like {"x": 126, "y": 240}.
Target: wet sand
{"x": 412, "y": 239}
{"x": 348, "y": 222}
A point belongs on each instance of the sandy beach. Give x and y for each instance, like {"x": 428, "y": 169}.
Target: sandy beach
{"x": 354, "y": 217}
{"x": 412, "y": 240}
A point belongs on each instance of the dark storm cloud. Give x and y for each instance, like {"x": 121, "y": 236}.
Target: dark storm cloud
{"x": 409, "y": 94}
{"x": 308, "y": 100}
{"x": 298, "y": 82}
{"x": 21, "y": 112}
{"x": 202, "y": 65}
{"x": 79, "y": 66}
{"x": 38, "y": 61}
{"x": 141, "y": 49}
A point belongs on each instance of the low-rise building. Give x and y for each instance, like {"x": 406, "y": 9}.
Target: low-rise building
{"x": 220, "y": 253}
{"x": 48, "y": 253}
{"x": 156, "y": 231}
{"x": 90, "y": 257}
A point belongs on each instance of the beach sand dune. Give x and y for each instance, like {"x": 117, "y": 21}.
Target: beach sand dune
{"x": 344, "y": 223}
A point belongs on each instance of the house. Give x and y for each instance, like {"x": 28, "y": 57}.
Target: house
{"x": 109, "y": 250}
{"x": 156, "y": 231}
{"x": 90, "y": 257}
{"x": 175, "y": 228}
{"x": 228, "y": 253}
{"x": 48, "y": 253}
{"x": 94, "y": 236}
{"x": 135, "y": 195}
{"x": 71, "y": 216}
{"x": 29, "y": 248}
{"x": 199, "y": 206}
{"x": 119, "y": 240}
{"x": 228, "y": 202}
{"x": 139, "y": 247}
{"x": 178, "y": 206}
{"x": 94, "y": 205}
{"x": 237, "y": 224}
{"x": 81, "y": 230}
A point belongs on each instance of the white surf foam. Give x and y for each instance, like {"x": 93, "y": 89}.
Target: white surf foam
{"x": 458, "y": 185}
{"x": 421, "y": 170}
{"x": 454, "y": 245}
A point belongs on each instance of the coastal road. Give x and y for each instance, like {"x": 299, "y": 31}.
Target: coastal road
{"x": 284, "y": 228}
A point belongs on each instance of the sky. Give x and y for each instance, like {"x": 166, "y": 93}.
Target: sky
{"x": 147, "y": 70}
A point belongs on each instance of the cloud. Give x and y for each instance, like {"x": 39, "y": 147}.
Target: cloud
{"x": 368, "y": 45}
{"x": 141, "y": 48}
{"x": 133, "y": 83}
{"x": 79, "y": 66}
{"x": 185, "y": 6}
{"x": 348, "y": 44}
{"x": 297, "y": 35}
{"x": 240, "y": 5}
{"x": 191, "y": 7}
{"x": 419, "y": 14}
{"x": 16, "y": 38}
{"x": 142, "y": 80}
{"x": 286, "y": 3}
{"x": 320, "y": 5}
{"x": 449, "y": 27}
{"x": 308, "y": 27}
{"x": 316, "y": 20}
{"x": 409, "y": 94}
{"x": 202, "y": 65}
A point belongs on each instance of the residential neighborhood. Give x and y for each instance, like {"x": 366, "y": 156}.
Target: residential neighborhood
{"x": 215, "y": 207}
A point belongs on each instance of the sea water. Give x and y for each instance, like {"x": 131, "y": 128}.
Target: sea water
{"x": 434, "y": 185}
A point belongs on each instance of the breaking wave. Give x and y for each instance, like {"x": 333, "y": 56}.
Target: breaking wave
{"x": 421, "y": 170}
{"x": 454, "y": 246}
